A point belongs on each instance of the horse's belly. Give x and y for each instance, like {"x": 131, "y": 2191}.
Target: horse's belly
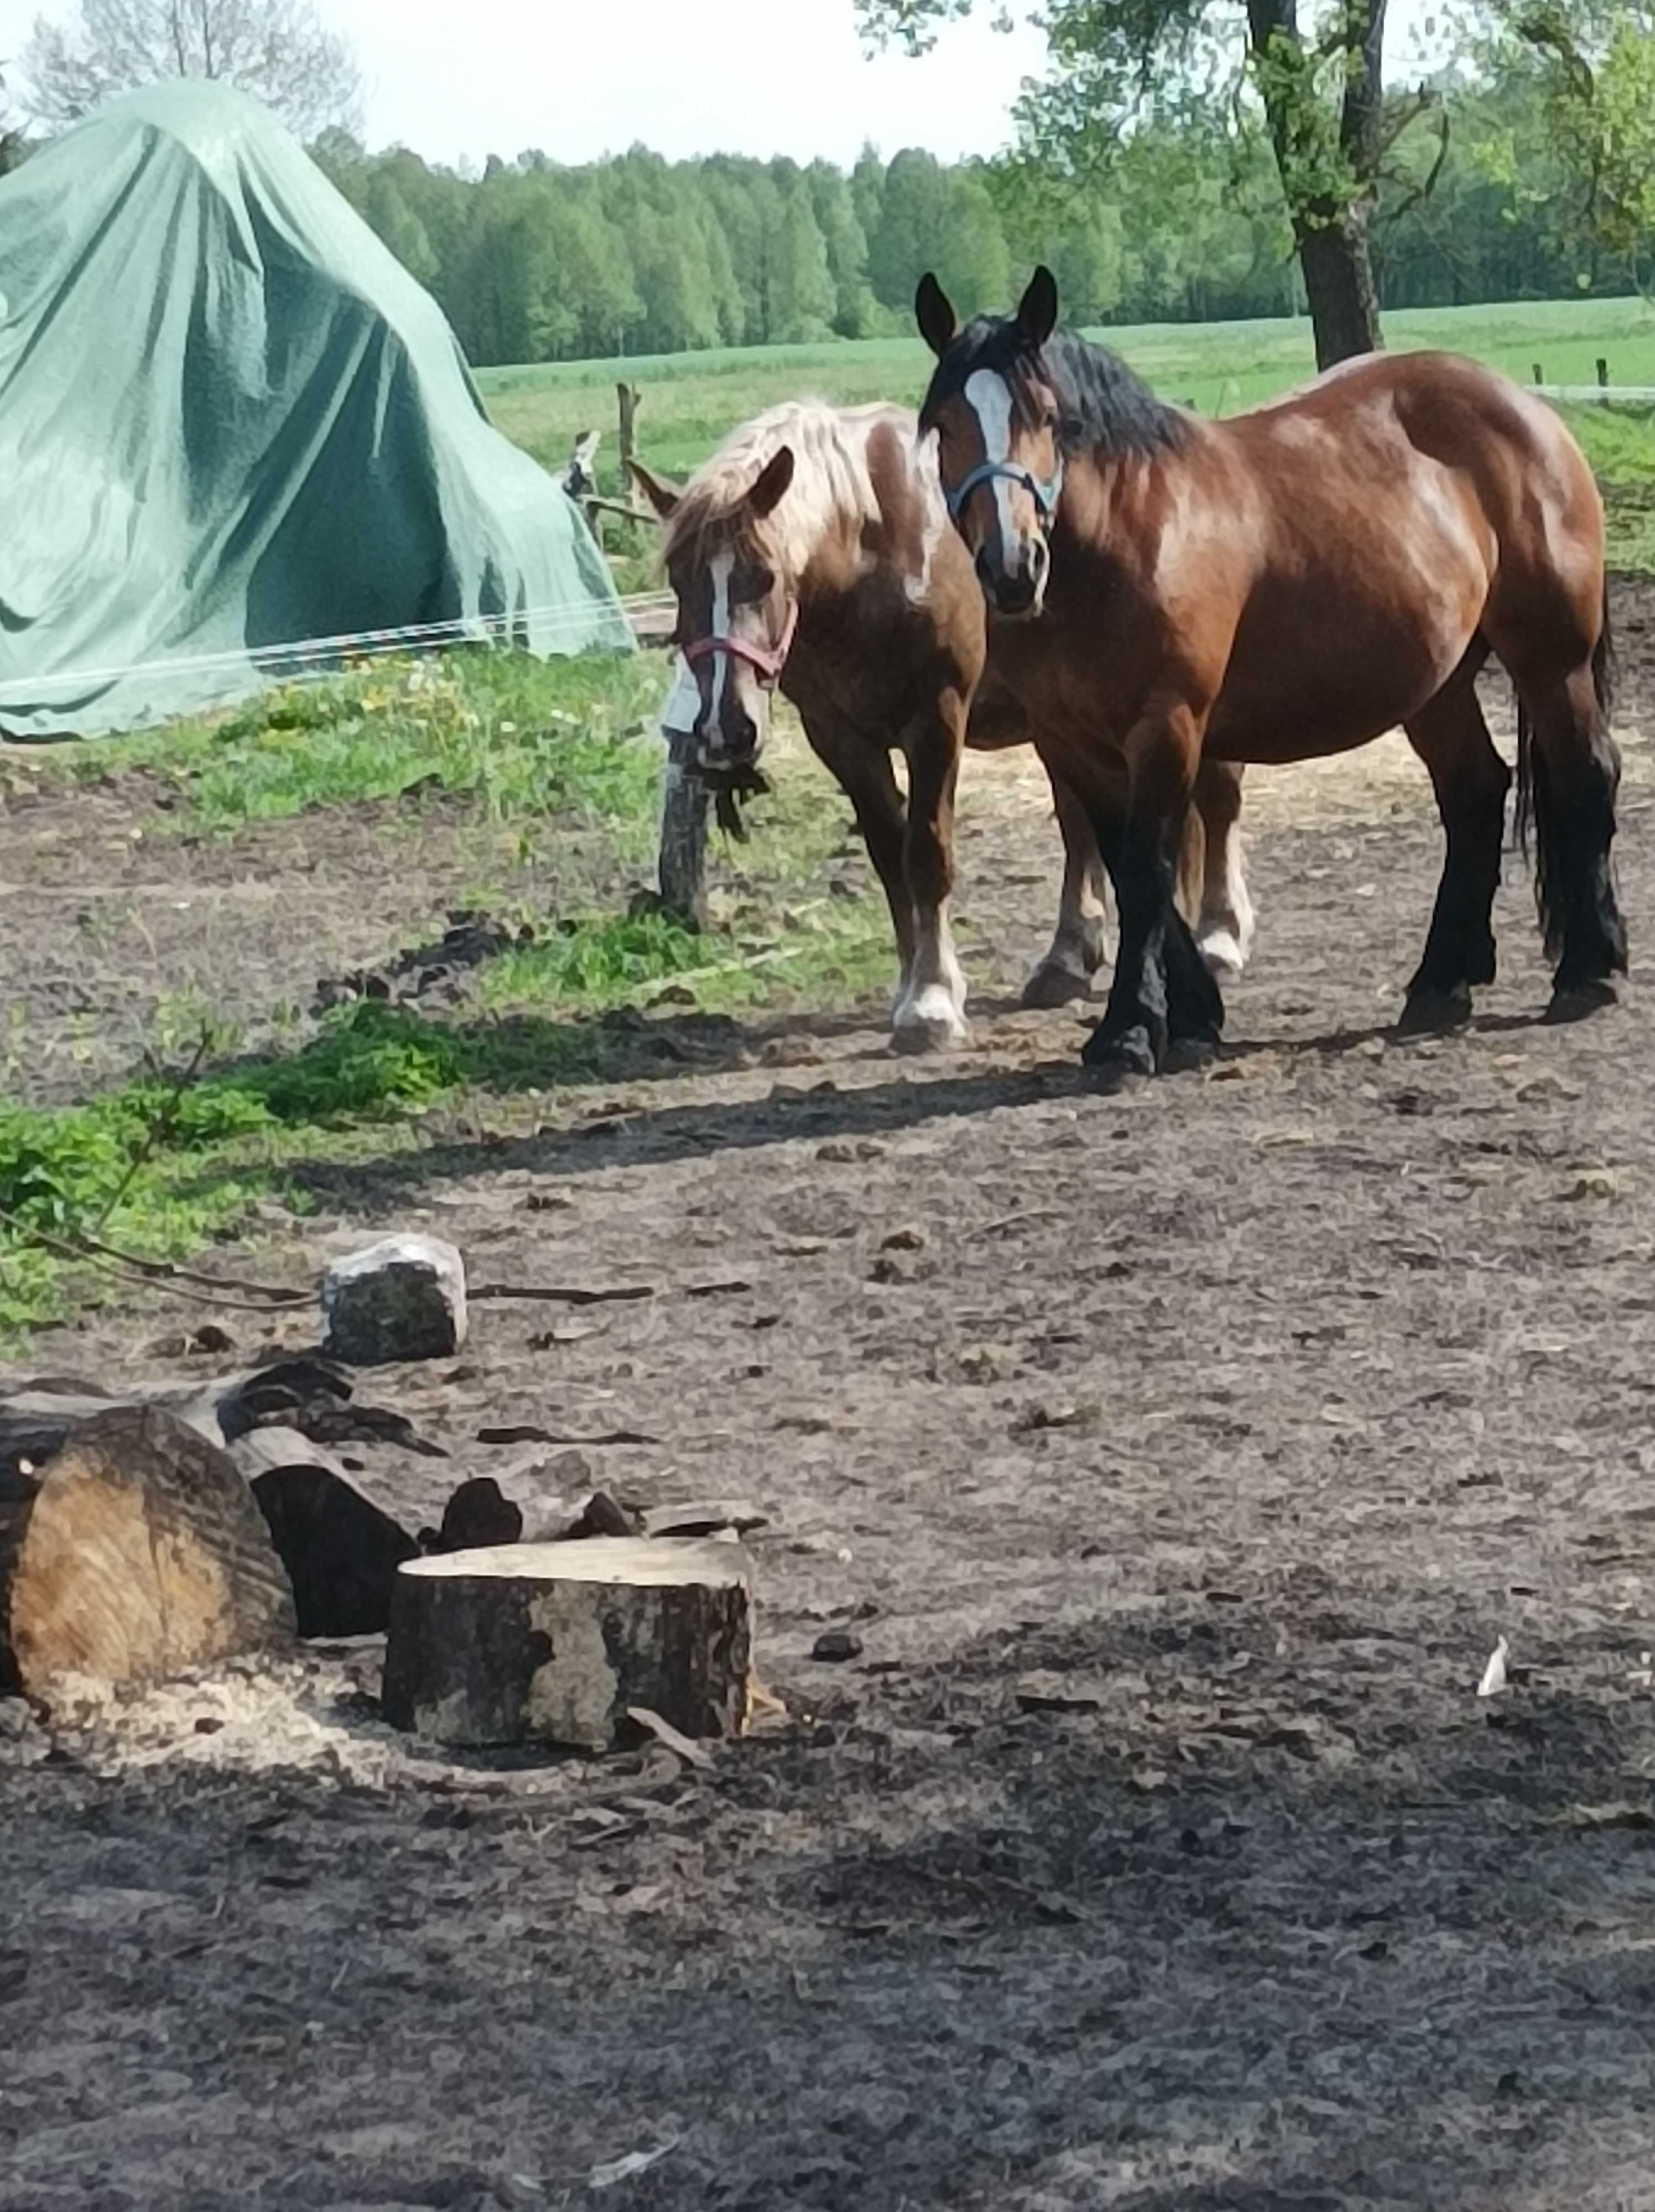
{"x": 1294, "y": 732}
{"x": 1322, "y": 700}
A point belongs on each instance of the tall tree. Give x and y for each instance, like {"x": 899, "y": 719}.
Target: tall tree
{"x": 846, "y": 249}
{"x": 1597, "y": 65}
{"x": 1320, "y": 90}
{"x": 276, "y": 50}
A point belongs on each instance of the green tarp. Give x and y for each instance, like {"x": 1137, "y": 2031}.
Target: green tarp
{"x": 230, "y": 421}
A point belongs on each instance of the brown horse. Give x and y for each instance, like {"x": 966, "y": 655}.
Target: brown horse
{"x": 1284, "y": 585}
{"x": 812, "y": 554}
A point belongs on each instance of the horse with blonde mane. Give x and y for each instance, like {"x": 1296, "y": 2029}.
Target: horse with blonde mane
{"x": 814, "y": 555}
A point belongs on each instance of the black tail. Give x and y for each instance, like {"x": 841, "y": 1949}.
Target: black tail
{"x": 1537, "y": 816}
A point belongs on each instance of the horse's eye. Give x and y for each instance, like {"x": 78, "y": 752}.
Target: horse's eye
{"x": 763, "y": 583}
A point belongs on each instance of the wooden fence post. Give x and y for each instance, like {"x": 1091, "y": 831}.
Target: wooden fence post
{"x": 681, "y": 867}
{"x": 1602, "y": 374}
{"x": 630, "y": 399}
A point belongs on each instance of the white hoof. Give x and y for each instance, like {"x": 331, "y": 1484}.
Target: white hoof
{"x": 1222, "y": 955}
{"x": 931, "y": 1021}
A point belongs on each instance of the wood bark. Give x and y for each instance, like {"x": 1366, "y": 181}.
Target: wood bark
{"x": 136, "y": 1552}
{"x": 340, "y": 1550}
{"x": 553, "y": 1643}
{"x": 681, "y": 869}
{"x": 1331, "y": 234}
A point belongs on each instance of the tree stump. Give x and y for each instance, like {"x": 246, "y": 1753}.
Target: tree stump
{"x": 135, "y": 1553}
{"x": 553, "y": 1642}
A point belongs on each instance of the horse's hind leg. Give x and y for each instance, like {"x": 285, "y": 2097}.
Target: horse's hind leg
{"x": 1065, "y": 971}
{"x": 1224, "y": 919}
{"x": 1471, "y": 780}
{"x": 1568, "y": 771}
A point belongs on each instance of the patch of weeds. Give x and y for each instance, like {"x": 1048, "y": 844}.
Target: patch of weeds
{"x": 516, "y": 736}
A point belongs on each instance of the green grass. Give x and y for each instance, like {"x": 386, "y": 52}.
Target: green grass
{"x": 692, "y": 400}
{"x": 161, "y": 1166}
{"x": 519, "y": 737}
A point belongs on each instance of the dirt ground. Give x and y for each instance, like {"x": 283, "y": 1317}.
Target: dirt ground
{"x": 1176, "y": 1460}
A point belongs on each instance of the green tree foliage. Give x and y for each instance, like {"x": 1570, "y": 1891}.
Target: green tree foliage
{"x": 1540, "y": 184}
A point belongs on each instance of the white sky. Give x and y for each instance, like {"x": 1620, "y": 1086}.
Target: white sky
{"x": 684, "y": 76}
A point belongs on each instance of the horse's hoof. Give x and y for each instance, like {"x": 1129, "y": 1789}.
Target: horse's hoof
{"x": 1050, "y": 985}
{"x": 1430, "y": 1014}
{"x": 1121, "y": 1061}
{"x": 930, "y": 1022}
{"x": 1112, "y": 1073}
{"x": 1222, "y": 955}
{"x": 1575, "y": 1003}
{"x": 1185, "y": 1054}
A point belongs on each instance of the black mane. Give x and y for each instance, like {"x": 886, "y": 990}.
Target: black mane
{"x": 1103, "y": 406}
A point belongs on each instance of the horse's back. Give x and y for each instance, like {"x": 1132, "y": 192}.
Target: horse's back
{"x": 1395, "y": 510}
{"x": 1363, "y": 417}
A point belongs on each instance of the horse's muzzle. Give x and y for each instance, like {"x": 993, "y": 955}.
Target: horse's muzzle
{"x": 1016, "y": 594}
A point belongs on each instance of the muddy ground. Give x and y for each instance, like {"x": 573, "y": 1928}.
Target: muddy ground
{"x": 1176, "y": 1460}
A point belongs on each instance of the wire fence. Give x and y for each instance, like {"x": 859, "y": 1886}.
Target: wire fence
{"x": 311, "y": 660}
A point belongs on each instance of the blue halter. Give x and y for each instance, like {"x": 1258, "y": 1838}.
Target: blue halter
{"x": 1044, "y": 495}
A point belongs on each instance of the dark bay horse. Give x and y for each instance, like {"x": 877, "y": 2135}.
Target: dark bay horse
{"x": 1281, "y": 585}
{"x": 814, "y": 555}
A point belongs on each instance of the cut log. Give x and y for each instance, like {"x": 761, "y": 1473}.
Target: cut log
{"x": 340, "y": 1550}
{"x": 552, "y": 1642}
{"x": 135, "y": 1553}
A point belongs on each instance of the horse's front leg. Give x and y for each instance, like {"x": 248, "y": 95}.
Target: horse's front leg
{"x": 1164, "y": 1007}
{"x": 932, "y": 1015}
{"x": 862, "y": 768}
{"x": 1078, "y": 949}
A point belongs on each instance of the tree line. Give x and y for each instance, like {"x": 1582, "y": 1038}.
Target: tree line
{"x": 1181, "y": 160}
{"x": 534, "y": 261}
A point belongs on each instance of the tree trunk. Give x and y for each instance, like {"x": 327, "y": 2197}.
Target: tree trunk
{"x": 558, "y": 1643}
{"x": 137, "y": 1552}
{"x": 1339, "y": 285}
{"x": 1332, "y": 233}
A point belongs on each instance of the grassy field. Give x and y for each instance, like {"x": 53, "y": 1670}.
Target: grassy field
{"x": 692, "y": 400}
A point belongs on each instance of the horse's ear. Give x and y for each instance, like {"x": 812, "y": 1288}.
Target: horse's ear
{"x": 662, "y": 494}
{"x": 934, "y": 313}
{"x": 1037, "y": 311}
{"x": 773, "y": 481}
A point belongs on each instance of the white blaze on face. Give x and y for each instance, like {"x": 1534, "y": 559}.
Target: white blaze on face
{"x": 720, "y": 569}
{"x": 682, "y": 701}
{"x": 989, "y": 399}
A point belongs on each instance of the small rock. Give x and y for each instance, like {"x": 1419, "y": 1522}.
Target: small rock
{"x": 477, "y": 1516}
{"x": 836, "y": 1646}
{"x": 909, "y": 1237}
{"x": 402, "y": 1298}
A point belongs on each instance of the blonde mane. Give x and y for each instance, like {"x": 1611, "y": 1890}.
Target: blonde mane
{"x": 831, "y": 481}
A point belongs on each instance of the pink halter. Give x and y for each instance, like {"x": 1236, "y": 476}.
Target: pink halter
{"x": 768, "y": 661}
